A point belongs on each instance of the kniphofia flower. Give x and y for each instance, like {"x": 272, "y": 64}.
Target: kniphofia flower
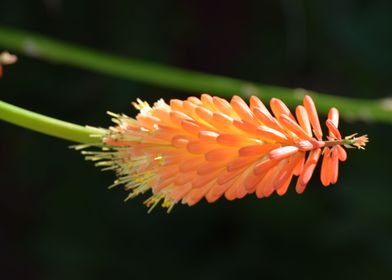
{"x": 209, "y": 147}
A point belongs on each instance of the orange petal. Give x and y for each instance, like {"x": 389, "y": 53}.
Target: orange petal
{"x": 195, "y": 195}
{"x": 163, "y": 115}
{"x": 211, "y": 196}
{"x": 308, "y": 169}
{"x": 292, "y": 126}
{"x": 161, "y": 184}
{"x": 251, "y": 181}
{"x": 184, "y": 177}
{"x": 270, "y": 134}
{"x": 313, "y": 116}
{"x": 166, "y": 172}
{"x": 210, "y": 167}
{"x": 267, "y": 119}
{"x": 180, "y": 141}
{"x": 231, "y": 192}
{"x": 333, "y": 130}
{"x": 303, "y": 119}
{"x": 286, "y": 173}
{"x": 234, "y": 140}
{"x": 268, "y": 181}
{"x": 283, "y": 152}
{"x": 255, "y": 102}
{"x": 263, "y": 184}
{"x": 241, "y": 191}
{"x": 176, "y": 193}
{"x": 258, "y": 149}
{"x": 222, "y": 105}
{"x": 227, "y": 176}
{"x": 176, "y": 104}
{"x": 204, "y": 114}
{"x": 305, "y": 145}
{"x": 177, "y": 117}
{"x": 195, "y": 100}
{"x": 262, "y": 167}
{"x": 208, "y": 136}
{"x": 237, "y": 188}
{"x": 222, "y": 122}
{"x": 279, "y": 108}
{"x": 334, "y": 166}
{"x": 191, "y": 126}
{"x": 198, "y": 147}
{"x": 221, "y": 154}
{"x": 342, "y": 154}
{"x": 240, "y": 163}
{"x": 172, "y": 159}
{"x": 333, "y": 115}
{"x": 217, "y": 190}
{"x": 283, "y": 187}
{"x": 242, "y": 109}
{"x": 189, "y": 108}
{"x": 283, "y": 181}
{"x": 325, "y": 176}
{"x": 201, "y": 180}
{"x": 245, "y": 126}
{"x": 229, "y": 140}
{"x": 192, "y": 164}
{"x": 310, "y": 165}
{"x": 207, "y": 101}
{"x": 165, "y": 132}
{"x": 300, "y": 165}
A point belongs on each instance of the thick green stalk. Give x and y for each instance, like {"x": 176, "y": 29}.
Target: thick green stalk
{"x": 47, "y": 125}
{"x": 172, "y": 77}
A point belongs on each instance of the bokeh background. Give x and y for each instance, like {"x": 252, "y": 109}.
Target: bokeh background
{"x": 59, "y": 221}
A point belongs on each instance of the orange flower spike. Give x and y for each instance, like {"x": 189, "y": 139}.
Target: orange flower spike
{"x": 208, "y": 148}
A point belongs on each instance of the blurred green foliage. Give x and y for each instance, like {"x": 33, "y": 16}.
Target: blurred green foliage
{"x": 58, "y": 220}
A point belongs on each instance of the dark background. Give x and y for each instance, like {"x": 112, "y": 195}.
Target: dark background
{"x": 59, "y": 221}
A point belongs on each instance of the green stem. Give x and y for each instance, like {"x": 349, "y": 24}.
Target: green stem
{"x": 172, "y": 77}
{"x": 47, "y": 125}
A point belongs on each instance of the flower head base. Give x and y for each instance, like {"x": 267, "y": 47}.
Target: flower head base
{"x": 209, "y": 147}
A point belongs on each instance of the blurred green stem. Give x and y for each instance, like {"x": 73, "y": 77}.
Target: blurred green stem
{"x": 47, "y": 125}
{"x": 172, "y": 77}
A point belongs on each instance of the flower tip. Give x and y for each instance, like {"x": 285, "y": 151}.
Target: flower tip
{"x": 357, "y": 142}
